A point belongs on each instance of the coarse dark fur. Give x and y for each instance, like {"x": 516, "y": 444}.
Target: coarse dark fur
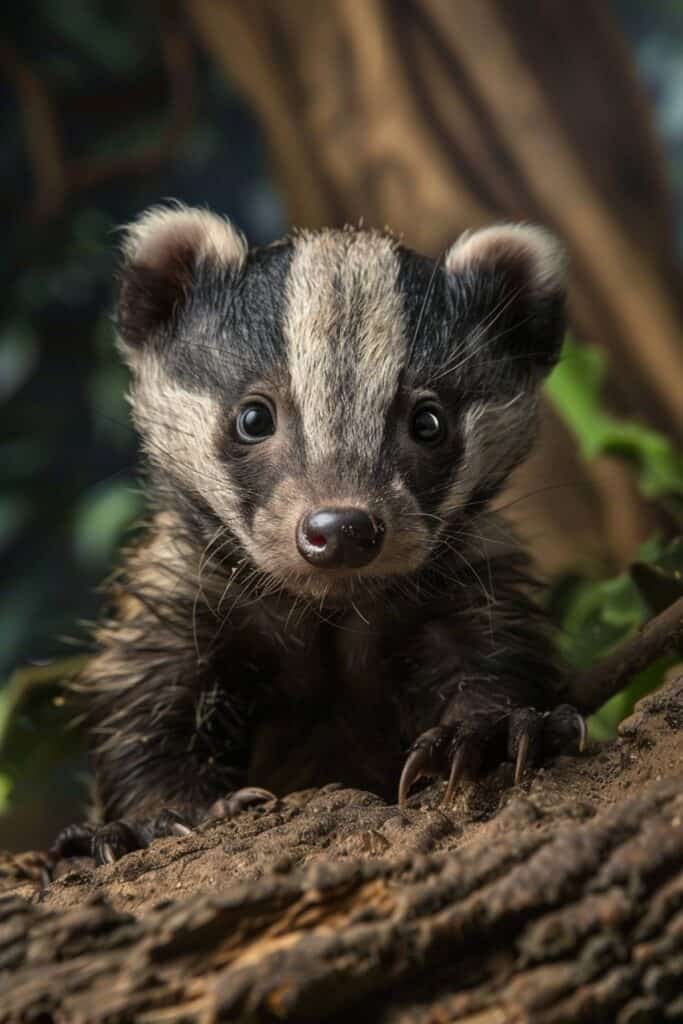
{"x": 227, "y": 660}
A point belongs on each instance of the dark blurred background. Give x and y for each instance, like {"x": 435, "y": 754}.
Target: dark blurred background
{"x": 426, "y": 115}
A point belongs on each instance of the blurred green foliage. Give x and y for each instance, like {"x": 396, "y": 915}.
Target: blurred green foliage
{"x": 575, "y": 388}
{"x": 596, "y": 615}
{"x": 34, "y": 724}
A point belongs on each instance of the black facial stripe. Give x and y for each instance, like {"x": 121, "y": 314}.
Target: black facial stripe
{"x": 229, "y": 339}
{"x": 460, "y": 350}
{"x": 254, "y": 474}
{"x": 429, "y": 310}
{"x": 484, "y": 325}
{"x": 230, "y": 333}
{"x": 431, "y": 473}
{"x": 443, "y": 316}
{"x": 427, "y": 472}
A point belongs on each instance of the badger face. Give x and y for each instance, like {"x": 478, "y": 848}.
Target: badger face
{"x": 336, "y": 401}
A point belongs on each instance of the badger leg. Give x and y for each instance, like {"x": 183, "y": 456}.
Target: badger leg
{"x": 471, "y": 741}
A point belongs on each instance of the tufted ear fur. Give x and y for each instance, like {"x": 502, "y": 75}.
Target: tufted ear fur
{"x": 512, "y": 280}
{"x": 163, "y": 254}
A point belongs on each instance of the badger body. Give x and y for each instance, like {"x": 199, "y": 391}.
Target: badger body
{"x": 322, "y": 589}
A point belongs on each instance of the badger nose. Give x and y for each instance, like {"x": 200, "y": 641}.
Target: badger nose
{"x": 334, "y": 538}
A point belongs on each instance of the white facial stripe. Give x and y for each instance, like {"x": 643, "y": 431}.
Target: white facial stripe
{"x": 178, "y": 429}
{"x": 310, "y": 316}
{"x": 494, "y": 433}
{"x": 346, "y": 335}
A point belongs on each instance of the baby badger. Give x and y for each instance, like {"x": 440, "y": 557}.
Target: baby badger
{"x": 322, "y": 593}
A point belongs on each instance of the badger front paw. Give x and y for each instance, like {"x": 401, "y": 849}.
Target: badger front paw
{"x": 109, "y": 842}
{"x": 467, "y": 745}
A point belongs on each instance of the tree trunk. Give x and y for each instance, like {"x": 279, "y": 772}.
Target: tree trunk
{"x": 432, "y": 117}
{"x": 557, "y": 902}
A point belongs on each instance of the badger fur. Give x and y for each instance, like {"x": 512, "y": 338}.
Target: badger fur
{"x": 322, "y": 590}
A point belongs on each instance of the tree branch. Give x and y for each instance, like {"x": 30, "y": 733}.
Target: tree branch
{"x": 661, "y": 635}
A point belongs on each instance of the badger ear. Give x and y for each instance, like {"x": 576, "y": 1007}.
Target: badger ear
{"x": 164, "y": 252}
{"x": 512, "y": 279}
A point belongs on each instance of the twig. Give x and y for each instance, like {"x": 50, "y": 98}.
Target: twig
{"x": 659, "y": 636}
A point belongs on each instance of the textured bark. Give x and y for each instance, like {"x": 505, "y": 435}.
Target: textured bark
{"x": 432, "y": 117}
{"x": 559, "y": 902}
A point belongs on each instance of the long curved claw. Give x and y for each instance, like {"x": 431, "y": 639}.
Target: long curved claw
{"x": 107, "y": 854}
{"x": 179, "y": 829}
{"x": 228, "y": 807}
{"x": 583, "y": 732}
{"x": 522, "y": 757}
{"x": 112, "y": 841}
{"x": 457, "y": 772}
{"x": 254, "y": 795}
{"x": 167, "y": 823}
{"x": 413, "y": 769}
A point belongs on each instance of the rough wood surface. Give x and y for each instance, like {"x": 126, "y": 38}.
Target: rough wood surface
{"x": 561, "y": 901}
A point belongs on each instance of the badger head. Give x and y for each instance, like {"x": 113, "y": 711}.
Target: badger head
{"x": 336, "y": 402}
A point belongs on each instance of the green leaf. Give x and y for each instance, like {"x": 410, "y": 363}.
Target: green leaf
{"x": 26, "y": 680}
{"x": 575, "y": 388}
{"x": 603, "y": 725}
{"x": 36, "y": 735}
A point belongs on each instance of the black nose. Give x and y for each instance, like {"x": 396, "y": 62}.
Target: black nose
{"x": 340, "y": 537}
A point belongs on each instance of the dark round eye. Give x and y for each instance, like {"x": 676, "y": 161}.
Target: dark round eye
{"x": 428, "y": 426}
{"x": 255, "y": 423}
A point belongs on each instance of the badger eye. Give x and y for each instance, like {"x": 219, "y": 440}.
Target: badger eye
{"x": 255, "y": 423}
{"x": 428, "y": 426}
